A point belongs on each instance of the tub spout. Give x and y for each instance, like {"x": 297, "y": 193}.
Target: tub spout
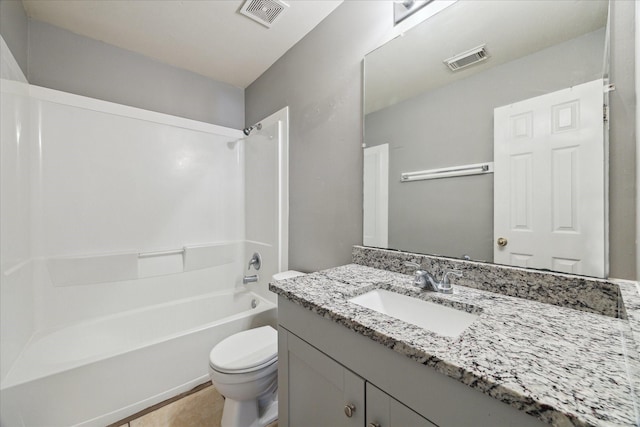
{"x": 250, "y": 279}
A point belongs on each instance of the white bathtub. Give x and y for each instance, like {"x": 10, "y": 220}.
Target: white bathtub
{"x": 99, "y": 371}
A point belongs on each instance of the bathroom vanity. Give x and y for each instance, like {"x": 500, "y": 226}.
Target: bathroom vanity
{"x": 519, "y": 363}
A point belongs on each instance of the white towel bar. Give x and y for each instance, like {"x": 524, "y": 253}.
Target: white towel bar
{"x": 475, "y": 169}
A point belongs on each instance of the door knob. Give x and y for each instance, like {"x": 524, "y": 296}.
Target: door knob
{"x": 502, "y": 241}
{"x": 349, "y": 409}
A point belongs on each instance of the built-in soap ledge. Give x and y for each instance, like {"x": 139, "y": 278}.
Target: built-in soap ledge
{"x": 130, "y": 265}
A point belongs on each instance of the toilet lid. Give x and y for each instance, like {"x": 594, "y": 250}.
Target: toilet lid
{"x": 245, "y": 351}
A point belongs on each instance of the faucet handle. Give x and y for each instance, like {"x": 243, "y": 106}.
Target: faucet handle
{"x": 412, "y": 264}
{"x": 420, "y": 276}
{"x": 418, "y": 269}
{"x": 255, "y": 261}
{"x": 445, "y": 277}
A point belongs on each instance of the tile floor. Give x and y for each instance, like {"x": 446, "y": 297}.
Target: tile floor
{"x": 202, "y": 408}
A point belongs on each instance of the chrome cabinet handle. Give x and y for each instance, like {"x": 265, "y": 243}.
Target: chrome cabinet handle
{"x": 349, "y": 409}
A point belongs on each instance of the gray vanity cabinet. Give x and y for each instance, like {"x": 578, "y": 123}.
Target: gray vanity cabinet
{"x": 324, "y": 367}
{"x": 385, "y": 411}
{"x": 321, "y": 391}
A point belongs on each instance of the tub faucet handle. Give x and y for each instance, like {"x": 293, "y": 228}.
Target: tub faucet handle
{"x": 255, "y": 261}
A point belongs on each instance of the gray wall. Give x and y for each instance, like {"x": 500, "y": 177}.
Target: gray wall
{"x": 453, "y": 125}
{"x": 320, "y": 79}
{"x": 14, "y": 30}
{"x": 59, "y": 59}
{"x": 62, "y": 60}
{"x": 622, "y": 147}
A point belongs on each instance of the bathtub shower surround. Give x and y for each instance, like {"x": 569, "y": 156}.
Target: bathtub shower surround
{"x": 125, "y": 235}
{"x": 118, "y": 193}
{"x": 16, "y": 280}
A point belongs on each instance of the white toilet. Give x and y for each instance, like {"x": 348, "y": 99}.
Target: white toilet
{"x": 244, "y": 369}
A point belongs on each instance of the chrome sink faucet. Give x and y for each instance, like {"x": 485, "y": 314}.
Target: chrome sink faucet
{"x": 424, "y": 280}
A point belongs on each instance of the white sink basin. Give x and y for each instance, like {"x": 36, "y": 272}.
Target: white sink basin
{"x": 433, "y": 317}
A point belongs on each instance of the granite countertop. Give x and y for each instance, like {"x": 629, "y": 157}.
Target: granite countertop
{"x": 564, "y": 366}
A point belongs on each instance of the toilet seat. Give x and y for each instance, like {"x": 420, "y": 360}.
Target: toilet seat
{"x": 244, "y": 370}
{"x": 246, "y": 351}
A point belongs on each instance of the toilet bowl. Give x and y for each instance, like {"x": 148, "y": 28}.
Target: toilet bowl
{"x": 244, "y": 369}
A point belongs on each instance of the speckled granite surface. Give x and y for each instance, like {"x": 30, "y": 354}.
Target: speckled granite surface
{"x": 565, "y": 290}
{"x": 564, "y": 366}
{"x": 630, "y": 303}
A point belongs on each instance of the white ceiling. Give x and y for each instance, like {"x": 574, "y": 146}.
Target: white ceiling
{"x": 511, "y": 29}
{"x": 208, "y": 37}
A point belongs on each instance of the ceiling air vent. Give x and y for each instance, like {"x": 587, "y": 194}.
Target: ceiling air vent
{"x": 266, "y": 12}
{"x": 467, "y": 58}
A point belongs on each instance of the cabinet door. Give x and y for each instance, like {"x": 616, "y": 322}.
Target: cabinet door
{"x": 384, "y": 411}
{"x": 321, "y": 392}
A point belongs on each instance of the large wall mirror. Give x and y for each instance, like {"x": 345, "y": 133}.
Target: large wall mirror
{"x": 485, "y": 136}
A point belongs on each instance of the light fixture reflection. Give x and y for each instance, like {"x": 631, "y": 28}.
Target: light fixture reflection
{"x": 402, "y": 9}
